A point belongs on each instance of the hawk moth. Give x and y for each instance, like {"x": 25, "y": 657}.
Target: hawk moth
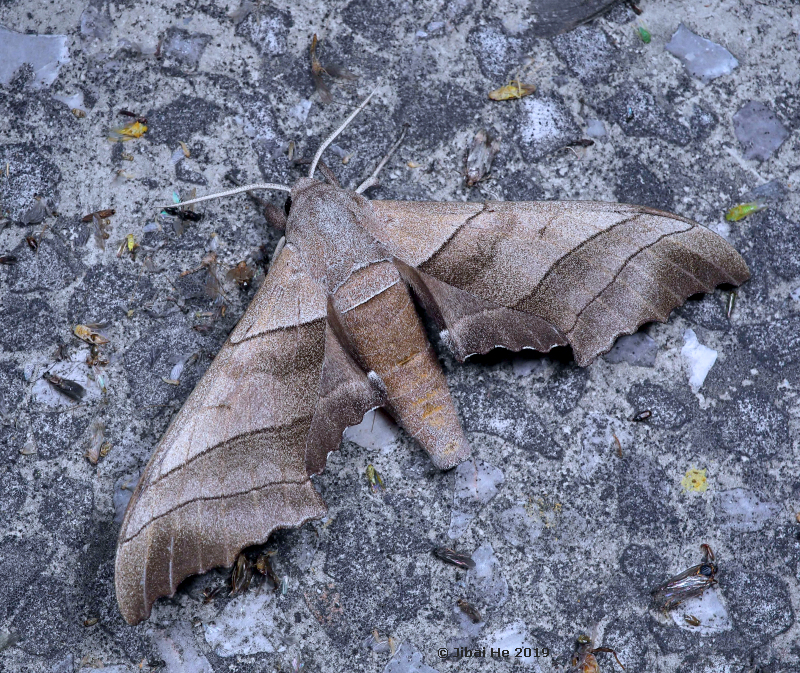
{"x": 334, "y": 332}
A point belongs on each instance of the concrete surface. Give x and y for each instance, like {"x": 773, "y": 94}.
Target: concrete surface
{"x": 578, "y": 511}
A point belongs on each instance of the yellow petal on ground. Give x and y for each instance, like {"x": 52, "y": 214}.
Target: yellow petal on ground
{"x": 694, "y": 480}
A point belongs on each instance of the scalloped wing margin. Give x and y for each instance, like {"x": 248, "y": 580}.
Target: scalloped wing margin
{"x": 236, "y": 461}
{"x": 589, "y": 271}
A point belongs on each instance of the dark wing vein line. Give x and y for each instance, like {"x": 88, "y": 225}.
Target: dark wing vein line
{"x": 580, "y": 247}
{"x": 226, "y": 496}
{"x": 223, "y": 444}
{"x": 633, "y": 290}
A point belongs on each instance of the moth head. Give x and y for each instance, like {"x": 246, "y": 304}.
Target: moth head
{"x": 708, "y": 569}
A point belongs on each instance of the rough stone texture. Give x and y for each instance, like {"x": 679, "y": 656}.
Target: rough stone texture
{"x": 590, "y": 514}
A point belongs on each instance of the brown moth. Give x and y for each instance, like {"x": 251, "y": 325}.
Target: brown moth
{"x": 333, "y": 332}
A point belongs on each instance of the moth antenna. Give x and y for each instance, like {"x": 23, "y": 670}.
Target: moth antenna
{"x": 372, "y": 180}
{"x": 333, "y": 135}
{"x": 230, "y": 192}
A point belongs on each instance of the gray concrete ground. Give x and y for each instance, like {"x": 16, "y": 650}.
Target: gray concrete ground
{"x": 579, "y": 512}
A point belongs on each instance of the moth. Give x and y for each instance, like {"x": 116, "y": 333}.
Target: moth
{"x": 689, "y": 583}
{"x": 334, "y": 332}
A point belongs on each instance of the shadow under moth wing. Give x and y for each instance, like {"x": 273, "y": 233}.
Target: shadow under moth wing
{"x": 333, "y": 332}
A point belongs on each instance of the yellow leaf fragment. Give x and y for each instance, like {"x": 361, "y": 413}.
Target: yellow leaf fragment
{"x": 695, "y": 480}
{"x": 127, "y": 132}
{"x": 514, "y": 90}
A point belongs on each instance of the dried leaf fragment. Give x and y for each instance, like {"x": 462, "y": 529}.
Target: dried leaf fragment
{"x": 241, "y": 574}
{"x": 482, "y": 152}
{"x": 87, "y": 334}
{"x": 514, "y": 90}
{"x": 99, "y": 229}
{"x": 130, "y": 131}
{"x": 95, "y": 443}
{"x": 264, "y": 566}
{"x": 103, "y": 214}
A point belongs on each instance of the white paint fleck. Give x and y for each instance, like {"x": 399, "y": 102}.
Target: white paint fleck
{"x": 244, "y": 627}
{"x": 407, "y": 660}
{"x": 743, "y": 511}
{"x": 595, "y": 128}
{"x": 514, "y": 638}
{"x": 44, "y": 53}
{"x": 699, "y": 359}
{"x": 489, "y": 585}
{"x": 73, "y": 102}
{"x": 520, "y": 528}
{"x": 178, "y": 649}
{"x": 703, "y": 58}
{"x": 708, "y": 609}
{"x": 476, "y": 483}
{"x": 301, "y": 110}
{"x": 376, "y": 431}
